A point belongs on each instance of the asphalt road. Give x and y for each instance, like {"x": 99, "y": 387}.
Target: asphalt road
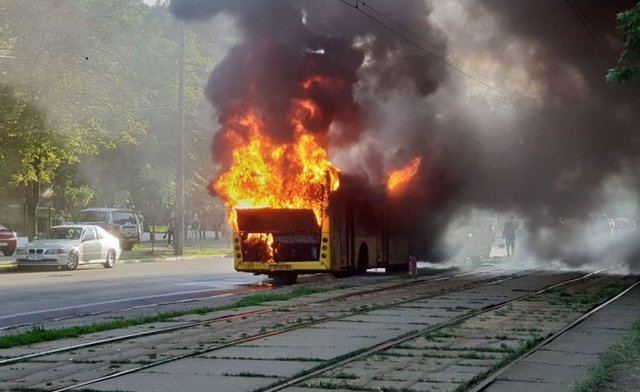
{"x": 40, "y": 296}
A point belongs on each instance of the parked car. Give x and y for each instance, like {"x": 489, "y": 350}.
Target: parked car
{"x": 601, "y": 223}
{"x": 69, "y": 246}
{"x": 623, "y": 225}
{"x": 470, "y": 239}
{"x": 8, "y": 241}
{"x": 124, "y": 224}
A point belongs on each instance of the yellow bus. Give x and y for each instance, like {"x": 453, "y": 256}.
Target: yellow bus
{"x": 352, "y": 236}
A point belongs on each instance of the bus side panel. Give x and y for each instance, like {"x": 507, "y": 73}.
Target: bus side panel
{"x": 342, "y": 236}
{"x": 398, "y": 250}
{"x": 370, "y": 243}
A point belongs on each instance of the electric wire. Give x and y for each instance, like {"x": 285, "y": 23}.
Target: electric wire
{"x": 426, "y": 42}
{"x": 588, "y": 25}
{"x": 418, "y": 46}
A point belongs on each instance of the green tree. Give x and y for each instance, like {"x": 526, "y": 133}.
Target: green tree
{"x": 629, "y": 62}
{"x": 62, "y": 60}
{"x": 105, "y": 73}
{"x": 31, "y": 152}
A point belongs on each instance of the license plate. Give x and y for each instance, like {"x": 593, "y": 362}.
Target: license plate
{"x": 279, "y": 267}
{"x": 34, "y": 257}
{"x": 3, "y": 244}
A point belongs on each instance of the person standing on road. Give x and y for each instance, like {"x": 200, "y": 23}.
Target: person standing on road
{"x": 509, "y": 236}
{"x": 170, "y": 229}
{"x": 203, "y": 228}
{"x": 195, "y": 227}
{"x": 413, "y": 265}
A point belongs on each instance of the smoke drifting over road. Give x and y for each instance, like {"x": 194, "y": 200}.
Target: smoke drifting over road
{"x": 543, "y": 148}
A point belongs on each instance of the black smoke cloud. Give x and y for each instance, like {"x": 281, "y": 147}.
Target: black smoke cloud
{"x": 547, "y": 159}
{"x": 281, "y": 50}
{"x": 555, "y": 157}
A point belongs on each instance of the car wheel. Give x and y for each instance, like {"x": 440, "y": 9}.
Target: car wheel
{"x": 7, "y": 253}
{"x": 126, "y": 245}
{"x": 111, "y": 259}
{"x": 72, "y": 262}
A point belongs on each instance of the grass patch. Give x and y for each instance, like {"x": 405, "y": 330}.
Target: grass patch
{"x": 39, "y": 334}
{"x": 475, "y": 355}
{"x": 161, "y": 251}
{"x": 584, "y": 301}
{"x": 333, "y": 385}
{"x": 626, "y": 350}
{"x": 512, "y": 355}
{"x": 258, "y": 299}
{"x": 345, "y": 376}
{"x": 249, "y": 374}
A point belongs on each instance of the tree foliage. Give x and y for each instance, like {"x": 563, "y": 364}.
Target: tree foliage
{"x": 31, "y": 151}
{"x": 99, "y": 80}
{"x": 629, "y": 62}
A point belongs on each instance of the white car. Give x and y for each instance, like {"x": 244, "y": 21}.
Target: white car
{"x": 71, "y": 245}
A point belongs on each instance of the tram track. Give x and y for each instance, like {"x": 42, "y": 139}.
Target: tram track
{"x": 353, "y": 356}
{"x": 418, "y": 333}
{"x": 386, "y": 288}
{"x": 434, "y": 343}
{"x": 482, "y": 386}
{"x": 158, "y": 331}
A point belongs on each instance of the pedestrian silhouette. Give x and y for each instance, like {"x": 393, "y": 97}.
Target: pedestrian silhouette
{"x": 509, "y": 235}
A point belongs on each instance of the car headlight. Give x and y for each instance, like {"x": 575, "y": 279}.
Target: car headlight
{"x": 21, "y": 252}
{"x": 54, "y": 251}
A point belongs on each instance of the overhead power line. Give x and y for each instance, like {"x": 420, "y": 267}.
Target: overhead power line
{"x": 426, "y": 42}
{"x": 588, "y": 25}
{"x": 412, "y": 38}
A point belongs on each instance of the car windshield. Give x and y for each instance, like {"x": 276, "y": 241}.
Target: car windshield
{"x": 91, "y": 216}
{"x": 3, "y": 227}
{"x": 61, "y": 233}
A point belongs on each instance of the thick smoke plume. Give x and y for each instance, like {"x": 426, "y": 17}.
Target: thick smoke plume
{"x": 542, "y": 147}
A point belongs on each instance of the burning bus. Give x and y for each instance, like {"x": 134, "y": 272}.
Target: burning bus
{"x": 350, "y": 235}
{"x": 292, "y": 211}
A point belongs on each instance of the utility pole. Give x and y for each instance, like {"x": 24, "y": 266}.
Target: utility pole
{"x": 179, "y": 233}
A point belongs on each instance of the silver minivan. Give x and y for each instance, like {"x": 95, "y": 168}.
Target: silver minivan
{"x": 123, "y": 223}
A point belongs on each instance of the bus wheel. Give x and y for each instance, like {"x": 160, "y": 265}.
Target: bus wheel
{"x": 284, "y": 279}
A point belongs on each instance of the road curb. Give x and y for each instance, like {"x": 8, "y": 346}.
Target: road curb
{"x": 172, "y": 258}
{"x": 12, "y": 263}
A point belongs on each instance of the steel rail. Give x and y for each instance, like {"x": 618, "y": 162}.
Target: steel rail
{"x": 184, "y": 326}
{"x": 412, "y": 335}
{"x": 494, "y": 376}
{"x": 116, "y": 339}
{"x": 226, "y": 292}
{"x": 283, "y": 330}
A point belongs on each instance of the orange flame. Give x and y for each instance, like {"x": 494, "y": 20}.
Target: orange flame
{"x": 266, "y": 174}
{"x": 323, "y": 82}
{"x": 263, "y": 240}
{"x": 402, "y": 176}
